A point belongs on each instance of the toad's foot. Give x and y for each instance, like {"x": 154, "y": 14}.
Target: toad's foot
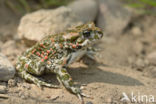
{"x": 79, "y": 94}
{"x": 35, "y": 80}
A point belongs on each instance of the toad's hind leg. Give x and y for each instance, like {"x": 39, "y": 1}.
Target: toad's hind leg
{"x": 35, "y": 80}
{"x": 31, "y": 68}
{"x": 64, "y": 77}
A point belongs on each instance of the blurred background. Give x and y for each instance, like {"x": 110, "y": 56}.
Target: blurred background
{"x": 26, "y": 6}
{"x": 126, "y": 61}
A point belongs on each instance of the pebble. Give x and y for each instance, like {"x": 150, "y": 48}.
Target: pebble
{"x": 136, "y": 31}
{"x": 12, "y": 83}
{"x": 89, "y": 102}
{"x": 3, "y": 89}
{"x": 141, "y": 64}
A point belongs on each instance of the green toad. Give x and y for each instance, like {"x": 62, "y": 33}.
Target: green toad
{"x": 55, "y": 52}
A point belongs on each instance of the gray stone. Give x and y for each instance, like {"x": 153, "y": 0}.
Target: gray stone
{"x": 152, "y": 58}
{"x": 34, "y": 26}
{"x": 89, "y": 102}
{"x": 7, "y": 71}
{"x": 85, "y": 10}
{"x": 113, "y": 17}
{"x": 3, "y": 89}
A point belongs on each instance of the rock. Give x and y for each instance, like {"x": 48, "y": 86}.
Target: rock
{"x": 7, "y": 71}
{"x": 113, "y": 17}
{"x": 10, "y": 50}
{"x": 3, "y": 89}
{"x": 34, "y": 26}
{"x": 4, "y": 96}
{"x": 141, "y": 64}
{"x": 89, "y": 102}
{"x": 152, "y": 58}
{"x": 12, "y": 83}
{"x": 88, "y": 10}
{"x": 136, "y": 31}
{"x": 54, "y": 98}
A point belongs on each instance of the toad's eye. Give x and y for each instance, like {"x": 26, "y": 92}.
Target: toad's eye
{"x": 86, "y": 34}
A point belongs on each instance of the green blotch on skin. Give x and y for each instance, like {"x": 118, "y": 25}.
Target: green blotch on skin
{"x": 65, "y": 77}
{"x": 70, "y": 83}
{"x": 31, "y": 70}
{"x": 63, "y": 71}
{"x": 95, "y": 37}
{"x": 60, "y": 62}
{"x": 61, "y": 39}
{"x": 73, "y": 38}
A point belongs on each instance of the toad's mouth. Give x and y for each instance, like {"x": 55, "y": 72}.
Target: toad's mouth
{"x": 87, "y": 42}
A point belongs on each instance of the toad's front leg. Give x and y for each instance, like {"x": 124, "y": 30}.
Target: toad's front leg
{"x": 92, "y": 53}
{"x": 65, "y": 79}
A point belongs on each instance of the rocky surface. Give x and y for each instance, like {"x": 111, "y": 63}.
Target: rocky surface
{"x": 85, "y": 10}
{"x": 36, "y": 25}
{"x": 153, "y": 72}
{"x": 113, "y": 17}
{"x": 7, "y": 71}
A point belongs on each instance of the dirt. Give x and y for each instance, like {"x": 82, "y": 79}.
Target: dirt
{"x": 120, "y": 67}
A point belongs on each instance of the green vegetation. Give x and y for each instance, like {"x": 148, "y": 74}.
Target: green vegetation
{"x": 24, "y": 6}
{"x": 145, "y": 6}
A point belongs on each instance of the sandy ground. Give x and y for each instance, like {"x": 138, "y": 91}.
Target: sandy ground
{"x": 113, "y": 73}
